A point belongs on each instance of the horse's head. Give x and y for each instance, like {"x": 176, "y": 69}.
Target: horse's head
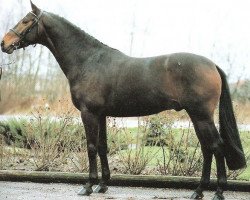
{"x": 23, "y": 34}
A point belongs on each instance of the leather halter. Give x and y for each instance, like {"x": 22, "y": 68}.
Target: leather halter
{"x": 22, "y": 40}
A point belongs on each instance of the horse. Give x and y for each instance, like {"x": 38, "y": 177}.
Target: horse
{"x": 106, "y": 82}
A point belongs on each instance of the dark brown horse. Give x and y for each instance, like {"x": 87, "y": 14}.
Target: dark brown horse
{"x": 105, "y": 82}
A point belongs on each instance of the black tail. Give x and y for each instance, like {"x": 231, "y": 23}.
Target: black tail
{"x": 234, "y": 153}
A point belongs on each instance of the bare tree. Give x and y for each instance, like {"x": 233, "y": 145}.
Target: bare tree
{"x": 27, "y": 75}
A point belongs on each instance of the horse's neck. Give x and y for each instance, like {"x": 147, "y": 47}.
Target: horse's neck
{"x": 70, "y": 45}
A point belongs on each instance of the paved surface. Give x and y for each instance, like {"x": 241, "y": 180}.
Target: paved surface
{"x": 39, "y": 191}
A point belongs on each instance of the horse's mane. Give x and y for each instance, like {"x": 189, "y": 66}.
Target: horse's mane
{"x": 79, "y": 32}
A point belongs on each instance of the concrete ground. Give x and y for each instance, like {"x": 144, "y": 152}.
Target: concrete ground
{"x": 57, "y": 191}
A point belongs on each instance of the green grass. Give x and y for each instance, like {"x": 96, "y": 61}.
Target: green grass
{"x": 245, "y": 138}
{"x": 246, "y": 174}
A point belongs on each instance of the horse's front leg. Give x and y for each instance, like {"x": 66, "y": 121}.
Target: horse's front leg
{"x": 91, "y": 124}
{"x": 102, "y": 151}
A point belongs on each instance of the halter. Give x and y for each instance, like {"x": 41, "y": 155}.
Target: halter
{"x": 22, "y": 35}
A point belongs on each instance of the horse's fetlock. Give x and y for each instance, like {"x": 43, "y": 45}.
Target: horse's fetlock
{"x": 204, "y": 184}
{"x": 222, "y": 182}
{"x": 93, "y": 178}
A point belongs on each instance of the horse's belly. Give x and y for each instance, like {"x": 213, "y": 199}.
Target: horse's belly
{"x": 132, "y": 112}
{"x": 143, "y": 107}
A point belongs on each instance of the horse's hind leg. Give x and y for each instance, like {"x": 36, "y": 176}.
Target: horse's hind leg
{"x": 205, "y": 178}
{"x": 221, "y": 174}
{"x": 211, "y": 143}
{"x": 102, "y": 151}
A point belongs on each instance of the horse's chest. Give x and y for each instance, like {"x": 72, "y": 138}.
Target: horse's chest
{"x": 91, "y": 99}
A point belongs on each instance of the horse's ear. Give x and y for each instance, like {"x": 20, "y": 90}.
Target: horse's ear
{"x": 35, "y": 9}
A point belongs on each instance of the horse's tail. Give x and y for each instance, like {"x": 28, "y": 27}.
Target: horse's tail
{"x": 233, "y": 151}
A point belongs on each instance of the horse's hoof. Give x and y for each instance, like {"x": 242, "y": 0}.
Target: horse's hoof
{"x": 101, "y": 189}
{"x": 218, "y": 196}
{"x": 85, "y": 191}
{"x": 196, "y": 195}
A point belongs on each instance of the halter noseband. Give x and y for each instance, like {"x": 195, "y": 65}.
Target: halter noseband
{"x": 23, "y": 34}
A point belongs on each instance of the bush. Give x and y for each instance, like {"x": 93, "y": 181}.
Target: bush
{"x": 136, "y": 156}
{"x": 59, "y": 143}
{"x": 50, "y": 139}
{"x": 181, "y": 154}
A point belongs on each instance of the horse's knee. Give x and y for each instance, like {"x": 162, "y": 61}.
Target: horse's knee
{"x": 92, "y": 151}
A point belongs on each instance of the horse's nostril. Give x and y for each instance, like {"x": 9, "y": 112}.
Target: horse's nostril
{"x": 2, "y": 43}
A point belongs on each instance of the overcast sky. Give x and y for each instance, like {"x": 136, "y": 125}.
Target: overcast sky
{"x": 213, "y": 28}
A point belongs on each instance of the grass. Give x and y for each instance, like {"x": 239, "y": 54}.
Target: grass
{"x": 245, "y": 138}
{"x": 245, "y": 174}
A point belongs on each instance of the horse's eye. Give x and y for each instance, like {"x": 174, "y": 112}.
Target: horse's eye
{"x": 25, "y": 21}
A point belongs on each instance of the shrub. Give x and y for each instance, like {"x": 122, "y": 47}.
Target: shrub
{"x": 52, "y": 143}
{"x": 136, "y": 156}
{"x": 180, "y": 148}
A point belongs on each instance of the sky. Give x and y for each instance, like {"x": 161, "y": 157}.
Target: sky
{"x": 217, "y": 29}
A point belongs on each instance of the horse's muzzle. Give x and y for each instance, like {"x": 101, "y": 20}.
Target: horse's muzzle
{"x": 8, "y": 50}
{"x": 2, "y": 46}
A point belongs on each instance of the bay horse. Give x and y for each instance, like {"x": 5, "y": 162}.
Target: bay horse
{"x": 105, "y": 82}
